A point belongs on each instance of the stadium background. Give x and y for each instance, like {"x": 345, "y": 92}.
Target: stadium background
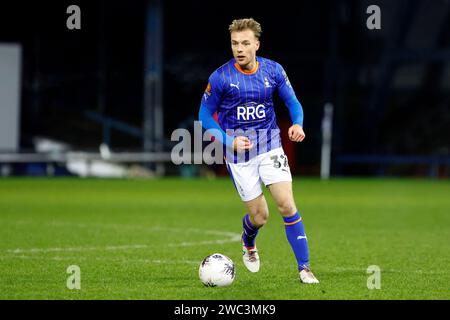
{"x": 137, "y": 70}
{"x": 389, "y": 87}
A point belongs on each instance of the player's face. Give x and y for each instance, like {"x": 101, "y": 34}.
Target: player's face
{"x": 244, "y": 45}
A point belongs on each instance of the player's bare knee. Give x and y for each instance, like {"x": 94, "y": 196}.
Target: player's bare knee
{"x": 259, "y": 217}
{"x": 262, "y": 217}
{"x": 287, "y": 208}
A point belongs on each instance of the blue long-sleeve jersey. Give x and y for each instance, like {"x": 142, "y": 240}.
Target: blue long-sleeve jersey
{"x": 244, "y": 101}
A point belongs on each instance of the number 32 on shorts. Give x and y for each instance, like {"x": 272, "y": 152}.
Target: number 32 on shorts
{"x": 280, "y": 161}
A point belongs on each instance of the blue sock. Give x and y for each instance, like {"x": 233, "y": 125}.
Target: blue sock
{"x": 295, "y": 234}
{"x": 250, "y": 232}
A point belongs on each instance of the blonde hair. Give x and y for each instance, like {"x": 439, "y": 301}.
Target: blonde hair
{"x": 247, "y": 23}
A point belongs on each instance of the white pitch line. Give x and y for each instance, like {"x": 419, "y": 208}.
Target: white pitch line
{"x": 124, "y": 260}
{"x": 187, "y": 244}
{"x": 130, "y": 227}
{"x": 75, "y": 249}
{"x": 229, "y": 237}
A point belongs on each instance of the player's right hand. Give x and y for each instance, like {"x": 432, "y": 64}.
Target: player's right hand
{"x": 241, "y": 143}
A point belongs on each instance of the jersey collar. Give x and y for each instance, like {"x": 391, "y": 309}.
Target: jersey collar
{"x": 246, "y": 71}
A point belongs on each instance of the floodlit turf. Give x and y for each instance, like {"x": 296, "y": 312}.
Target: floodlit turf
{"x": 144, "y": 239}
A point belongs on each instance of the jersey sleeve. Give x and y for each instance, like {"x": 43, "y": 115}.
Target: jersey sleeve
{"x": 287, "y": 93}
{"x": 284, "y": 86}
{"x": 213, "y": 93}
{"x": 211, "y": 100}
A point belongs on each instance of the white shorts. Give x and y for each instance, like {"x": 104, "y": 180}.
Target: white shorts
{"x": 268, "y": 168}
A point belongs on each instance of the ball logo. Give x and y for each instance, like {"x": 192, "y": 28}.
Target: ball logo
{"x": 251, "y": 112}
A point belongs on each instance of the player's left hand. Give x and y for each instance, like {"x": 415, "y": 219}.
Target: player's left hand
{"x": 296, "y": 133}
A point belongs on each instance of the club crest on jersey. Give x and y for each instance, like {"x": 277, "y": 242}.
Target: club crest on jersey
{"x": 251, "y": 112}
{"x": 267, "y": 83}
{"x": 207, "y": 91}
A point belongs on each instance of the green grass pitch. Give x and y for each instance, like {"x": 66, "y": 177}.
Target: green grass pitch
{"x": 144, "y": 239}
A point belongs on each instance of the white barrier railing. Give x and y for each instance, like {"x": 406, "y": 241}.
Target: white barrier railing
{"x": 86, "y": 156}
